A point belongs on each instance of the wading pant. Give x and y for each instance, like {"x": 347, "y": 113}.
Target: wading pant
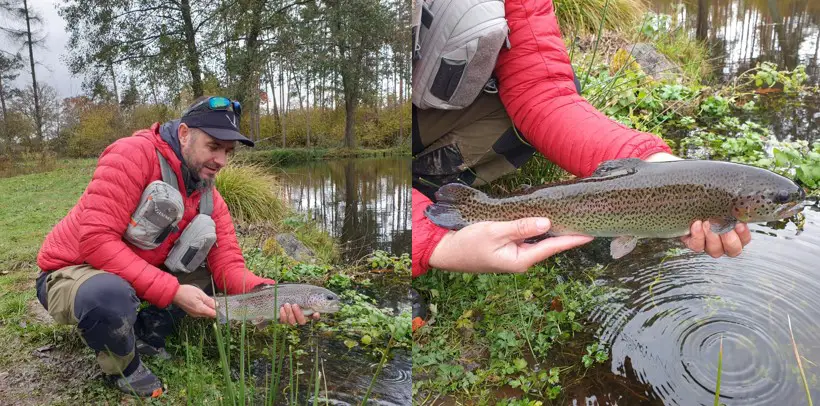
{"x": 105, "y": 309}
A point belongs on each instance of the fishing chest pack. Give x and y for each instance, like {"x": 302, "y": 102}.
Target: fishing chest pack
{"x": 455, "y": 48}
{"x": 159, "y": 212}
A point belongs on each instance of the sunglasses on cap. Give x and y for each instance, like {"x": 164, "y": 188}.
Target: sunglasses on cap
{"x": 215, "y": 103}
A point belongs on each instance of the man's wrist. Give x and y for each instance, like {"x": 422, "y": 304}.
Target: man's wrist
{"x": 662, "y": 157}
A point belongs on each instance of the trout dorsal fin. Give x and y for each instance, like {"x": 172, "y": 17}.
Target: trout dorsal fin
{"x": 617, "y": 167}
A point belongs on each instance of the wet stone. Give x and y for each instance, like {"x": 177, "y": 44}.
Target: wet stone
{"x": 295, "y": 248}
{"x": 652, "y": 62}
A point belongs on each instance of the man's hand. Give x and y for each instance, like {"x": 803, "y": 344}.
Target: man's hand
{"x": 195, "y": 302}
{"x": 288, "y": 313}
{"x": 498, "y": 247}
{"x": 701, "y": 237}
{"x": 292, "y": 314}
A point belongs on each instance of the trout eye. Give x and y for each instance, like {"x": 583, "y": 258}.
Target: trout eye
{"x": 781, "y": 197}
{"x": 328, "y": 297}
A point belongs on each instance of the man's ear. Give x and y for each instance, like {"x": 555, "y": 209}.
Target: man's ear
{"x": 184, "y": 133}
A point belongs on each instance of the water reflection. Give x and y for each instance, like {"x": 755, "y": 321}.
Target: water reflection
{"x": 670, "y": 310}
{"x": 743, "y": 32}
{"x": 363, "y": 203}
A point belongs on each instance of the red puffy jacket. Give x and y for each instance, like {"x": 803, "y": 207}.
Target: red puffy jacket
{"x": 535, "y": 83}
{"x": 93, "y": 230}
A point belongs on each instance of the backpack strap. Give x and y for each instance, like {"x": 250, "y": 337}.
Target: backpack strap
{"x": 168, "y": 175}
{"x": 206, "y": 202}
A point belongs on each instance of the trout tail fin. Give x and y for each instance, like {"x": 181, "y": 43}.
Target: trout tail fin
{"x": 445, "y": 212}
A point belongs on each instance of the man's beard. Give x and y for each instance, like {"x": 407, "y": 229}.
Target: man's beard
{"x": 203, "y": 184}
{"x": 199, "y": 184}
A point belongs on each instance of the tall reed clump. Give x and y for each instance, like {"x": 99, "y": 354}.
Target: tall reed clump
{"x": 580, "y": 17}
{"x": 250, "y": 193}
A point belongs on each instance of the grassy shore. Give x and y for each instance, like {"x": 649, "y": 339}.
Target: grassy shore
{"x": 295, "y": 156}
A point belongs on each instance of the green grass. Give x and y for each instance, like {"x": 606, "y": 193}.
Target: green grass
{"x": 687, "y": 53}
{"x": 580, "y": 17}
{"x": 32, "y": 204}
{"x": 251, "y": 193}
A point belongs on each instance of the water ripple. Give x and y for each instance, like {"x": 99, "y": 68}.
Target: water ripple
{"x": 665, "y": 321}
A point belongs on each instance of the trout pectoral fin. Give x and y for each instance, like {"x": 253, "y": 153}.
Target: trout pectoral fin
{"x": 622, "y": 245}
{"x": 722, "y": 225}
{"x": 538, "y": 238}
{"x": 260, "y": 323}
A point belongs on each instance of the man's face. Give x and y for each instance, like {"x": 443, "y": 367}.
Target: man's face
{"x": 204, "y": 155}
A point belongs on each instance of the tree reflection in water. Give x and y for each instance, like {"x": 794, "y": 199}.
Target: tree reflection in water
{"x": 363, "y": 203}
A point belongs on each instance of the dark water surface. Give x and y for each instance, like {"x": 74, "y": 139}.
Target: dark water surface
{"x": 363, "y": 203}
{"x": 670, "y": 309}
{"x": 743, "y": 33}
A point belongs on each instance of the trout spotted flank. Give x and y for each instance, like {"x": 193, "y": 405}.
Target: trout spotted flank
{"x": 261, "y": 306}
{"x": 631, "y": 199}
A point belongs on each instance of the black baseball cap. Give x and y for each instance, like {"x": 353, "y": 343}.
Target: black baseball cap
{"x": 218, "y": 117}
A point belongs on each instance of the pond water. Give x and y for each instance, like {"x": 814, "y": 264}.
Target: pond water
{"x": 669, "y": 310}
{"x": 363, "y": 203}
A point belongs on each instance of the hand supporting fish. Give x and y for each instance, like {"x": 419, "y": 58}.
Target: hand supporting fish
{"x": 266, "y": 304}
{"x": 631, "y": 199}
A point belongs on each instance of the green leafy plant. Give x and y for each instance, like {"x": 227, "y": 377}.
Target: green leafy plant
{"x": 383, "y": 260}
{"x": 596, "y": 353}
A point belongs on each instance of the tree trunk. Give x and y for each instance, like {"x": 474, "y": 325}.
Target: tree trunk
{"x": 350, "y": 111}
{"x": 703, "y": 19}
{"x": 38, "y": 114}
{"x": 191, "y": 54}
{"x": 284, "y": 107}
{"x": 401, "y": 108}
{"x": 3, "y": 99}
{"x": 114, "y": 82}
{"x": 307, "y": 109}
{"x": 273, "y": 91}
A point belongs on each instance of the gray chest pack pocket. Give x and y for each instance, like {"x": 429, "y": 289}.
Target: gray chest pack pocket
{"x": 157, "y": 215}
{"x": 456, "y": 45}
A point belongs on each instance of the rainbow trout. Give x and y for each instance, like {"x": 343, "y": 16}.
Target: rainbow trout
{"x": 263, "y": 305}
{"x": 631, "y": 199}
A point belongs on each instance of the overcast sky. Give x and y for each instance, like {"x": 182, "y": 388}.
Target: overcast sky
{"x": 51, "y": 69}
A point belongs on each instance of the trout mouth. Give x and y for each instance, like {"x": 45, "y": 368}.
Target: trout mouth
{"x": 789, "y": 209}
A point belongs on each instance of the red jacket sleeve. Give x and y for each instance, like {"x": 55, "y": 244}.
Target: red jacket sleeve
{"x": 535, "y": 83}
{"x": 426, "y": 235}
{"x": 113, "y": 194}
{"x": 225, "y": 259}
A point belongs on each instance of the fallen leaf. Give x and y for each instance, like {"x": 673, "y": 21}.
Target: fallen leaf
{"x": 556, "y": 304}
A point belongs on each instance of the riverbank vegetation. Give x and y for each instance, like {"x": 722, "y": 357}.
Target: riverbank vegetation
{"x": 308, "y": 75}
{"x": 524, "y": 339}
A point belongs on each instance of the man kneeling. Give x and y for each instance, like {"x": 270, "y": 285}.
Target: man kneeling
{"x": 149, "y": 226}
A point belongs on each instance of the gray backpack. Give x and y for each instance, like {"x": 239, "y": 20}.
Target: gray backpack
{"x": 455, "y": 48}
